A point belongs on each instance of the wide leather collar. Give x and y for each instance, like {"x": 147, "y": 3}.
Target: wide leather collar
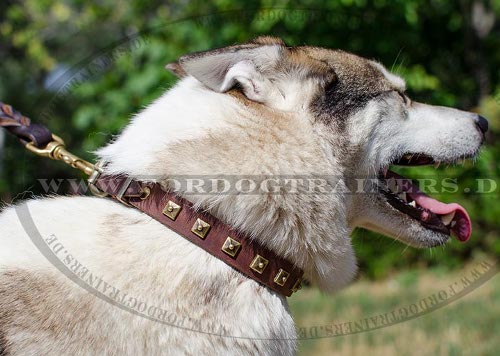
{"x": 204, "y": 230}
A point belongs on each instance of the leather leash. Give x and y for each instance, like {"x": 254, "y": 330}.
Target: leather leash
{"x": 22, "y": 127}
{"x": 176, "y": 213}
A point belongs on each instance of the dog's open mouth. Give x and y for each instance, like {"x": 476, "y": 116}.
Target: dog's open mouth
{"x": 405, "y": 196}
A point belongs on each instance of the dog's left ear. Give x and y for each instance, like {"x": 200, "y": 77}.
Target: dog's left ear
{"x": 248, "y": 65}
{"x": 176, "y": 69}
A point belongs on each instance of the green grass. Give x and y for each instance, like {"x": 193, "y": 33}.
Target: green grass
{"x": 468, "y": 326}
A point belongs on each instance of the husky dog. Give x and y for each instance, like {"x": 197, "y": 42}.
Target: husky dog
{"x": 256, "y": 109}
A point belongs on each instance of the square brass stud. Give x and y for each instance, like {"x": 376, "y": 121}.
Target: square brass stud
{"x": 231, "y": 247}
{"x": 171, "y": 210}
{"x": 259, "y": 264}
{"x": 297, "y": 286}
{"x": 200, "y": 228}
{"x": 281, "y": 277}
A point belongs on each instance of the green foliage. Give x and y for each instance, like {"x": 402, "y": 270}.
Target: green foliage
{"x": 114, "y": 54}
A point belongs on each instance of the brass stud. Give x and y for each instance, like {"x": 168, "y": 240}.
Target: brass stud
{"x": 200, "y": 228}
{"x": 259, "y": 264}
{"x": 231, "y": 247}
{"x": 297, "y": 286}
{"x": 171, "y": 210}
{"x": 281, "y": 277}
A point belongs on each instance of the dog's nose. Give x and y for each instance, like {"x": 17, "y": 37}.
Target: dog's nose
{"x": 481, "y": 123}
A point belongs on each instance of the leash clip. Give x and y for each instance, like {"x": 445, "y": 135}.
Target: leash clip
{"x": 56, "y": 150}
{"x": 49, "y": 149}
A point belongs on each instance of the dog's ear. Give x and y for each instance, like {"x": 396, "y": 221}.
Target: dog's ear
{"x": 246, "y": 66}
{"x": 176, "y": 69}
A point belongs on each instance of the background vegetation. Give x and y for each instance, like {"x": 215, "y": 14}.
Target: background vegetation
{"x": 466, "y": 327}
{"x": 84, "y": 67}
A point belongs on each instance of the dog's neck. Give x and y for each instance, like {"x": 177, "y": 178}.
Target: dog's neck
{"x": 192, "y": 131}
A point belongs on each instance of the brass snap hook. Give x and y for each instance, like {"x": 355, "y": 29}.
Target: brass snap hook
{"x": 56, "y": 150}
{"x": 47, "y": 151}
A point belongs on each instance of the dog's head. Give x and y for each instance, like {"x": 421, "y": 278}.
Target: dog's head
{"x": 361, "y": 113}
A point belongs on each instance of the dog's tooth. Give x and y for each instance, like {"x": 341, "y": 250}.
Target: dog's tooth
{"x": 402, "y": 196}
{"x": 413, "y": 203}
{"x": 437, "y": 164}
{"x": 448, "y": 218}
{"x": 399, "y": 188}
{"x": 391, "y": 183}
{"x": 453, "y": 223}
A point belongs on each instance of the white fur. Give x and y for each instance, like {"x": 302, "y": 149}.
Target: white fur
{"x": 174, "y": 117}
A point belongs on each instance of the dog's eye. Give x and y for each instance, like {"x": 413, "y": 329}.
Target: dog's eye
{"x": 404, "y": 97}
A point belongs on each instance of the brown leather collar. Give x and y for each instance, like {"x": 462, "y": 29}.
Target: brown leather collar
{"x": 204, "y": 230}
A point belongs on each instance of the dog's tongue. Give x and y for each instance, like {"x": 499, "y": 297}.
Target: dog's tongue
{"x": 462, "y": 228}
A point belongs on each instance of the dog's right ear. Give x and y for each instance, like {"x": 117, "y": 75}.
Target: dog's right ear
{"x": 247, "y": 65}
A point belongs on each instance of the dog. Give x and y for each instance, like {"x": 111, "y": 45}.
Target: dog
{"x": 256, "y": 109}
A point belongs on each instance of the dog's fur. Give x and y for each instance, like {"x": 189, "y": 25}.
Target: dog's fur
{"x": 260, "y": 108}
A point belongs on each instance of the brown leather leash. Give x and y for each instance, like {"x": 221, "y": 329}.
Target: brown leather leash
{"x": 22, "y": 127}
{"x": 178, "y": 214}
